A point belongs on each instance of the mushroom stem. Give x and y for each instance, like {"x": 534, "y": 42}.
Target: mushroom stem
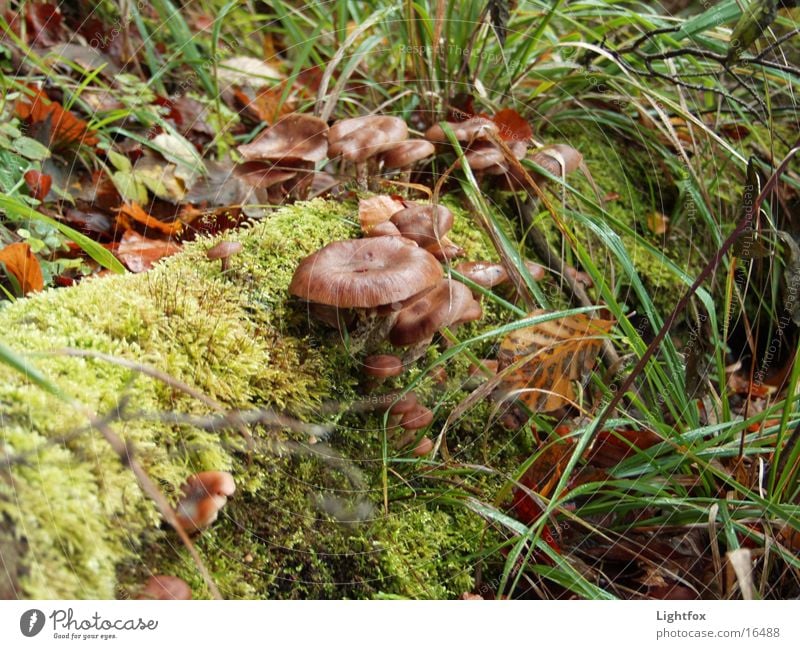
{"x": 361, "y": 175}
{"x": 416, "y": 351}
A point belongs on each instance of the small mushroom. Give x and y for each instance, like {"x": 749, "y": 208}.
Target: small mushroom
{"x": 281, "y": 159}
{"x": 385, "y": 229}
{"x": 477, "y": 128}
{"x": 416, "y": 418}
{"x": 556, "y": 157}
{"x": 382, "y": 366}
{"x": 448, "y": 303}
{"x": 403, "y": 404}
{"x": 535, "y": 270}
{"x": 424, "y": 224}
{"x": 165, "y": 587}
{"x": 484, "y": 273}
{"x": 224, "y": 250}
{"x": 423, "y": 447}
{"x": 202, "y": 496}
{"x": 404, "y": 154}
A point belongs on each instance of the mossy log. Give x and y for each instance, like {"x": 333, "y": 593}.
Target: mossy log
{"x": 74, "y": 522}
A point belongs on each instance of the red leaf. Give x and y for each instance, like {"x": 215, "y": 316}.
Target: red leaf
{"x": 139, "y": 254}
{"x": 609, "y": 450}
{"x": 512, "y": 126}
{"x": 43, "y": 21}
{"x": 38, "y": 184}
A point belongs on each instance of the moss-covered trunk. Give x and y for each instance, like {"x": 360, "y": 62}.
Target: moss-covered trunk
{"x": 74, "y": 523}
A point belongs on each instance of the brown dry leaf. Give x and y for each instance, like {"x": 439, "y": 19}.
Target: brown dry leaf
{"x": 139, "y": 253}
{"x": 23, "y": 265}
{"x": 552, "y": 354}
{"x": 376, "y": 209}
{"x": 133, "y": 212}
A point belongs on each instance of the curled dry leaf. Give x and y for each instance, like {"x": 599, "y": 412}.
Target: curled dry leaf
{"x": 23, "y": 265}
{"x": 131, "y": 212}
{"x": 551, "y": 355}
{"x": 139, "y": 253}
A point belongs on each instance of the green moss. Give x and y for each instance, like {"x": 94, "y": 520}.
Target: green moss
{"x": 77, "y": 520}
{"x": 636, "y": 185}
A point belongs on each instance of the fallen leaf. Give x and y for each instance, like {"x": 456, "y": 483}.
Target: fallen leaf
{"x": 38, "y": 184}
{"x": 246, "y": 71}
{"x": 512, "y": 126}
{"x": 60, "y": 127}
{"x": 44, "y": 24}
{"x": 551, "y": 355}
{"x": 265, "y": 105}
{"x": 20, "y": 262}
{"x": 377, "y": 209}
{"x": 611, "y": 447}
{"x": 133, "y": 212}
{"x": 139, "y": 253}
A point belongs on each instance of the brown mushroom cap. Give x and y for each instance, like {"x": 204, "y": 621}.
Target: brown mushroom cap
{"x": 475, "y": 127}
{"x": 165, "y": 587}
{"x": 383, "y": 366}
{"x": 298, "y": 136}
{"x": 365, "y": 273}
{"x": 552, "y": 157}
{"x": 263, "y": 174}
{"x": 360, "y": 138}
{"x": 483, "y": 155}
{"x": 418, "y": 417}
{"x": 405, "y": 154}
{"x": 416, "y": 222}
{"x": 403, "y": 404}
{"x": 536, "y": 270}
{"x": 484, "y": 273}
{"x": 385, "y": 229}
{"x": 423, "y": 447}
{"x": 448, "y": 303}
{"x": 224, "y": 249}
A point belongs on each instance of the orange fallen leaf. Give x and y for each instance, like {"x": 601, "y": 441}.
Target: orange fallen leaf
{"x": 20, "y": 261}
{"x": 64, "y": 128}
{"x": 139, "y": 253}
{"x": 133, "y": 212}
{"x": 551, "y": 355}
{"x": 38, "y": 183}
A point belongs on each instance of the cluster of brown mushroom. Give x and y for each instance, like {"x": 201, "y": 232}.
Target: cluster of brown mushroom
{"x": 392, "y": 280}
{"x": 373, "y": 142}
{"x": 479, "y": 136}
{"x": 282, "y": 159}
